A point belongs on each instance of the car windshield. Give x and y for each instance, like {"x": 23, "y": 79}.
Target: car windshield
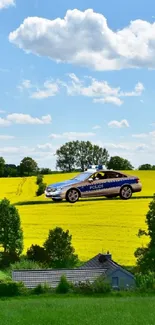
{"x": 82, "y": 177}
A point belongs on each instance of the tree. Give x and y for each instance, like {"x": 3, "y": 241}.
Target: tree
{"x": 78, "y": 154}
{"x": 11, "y": 234}
{"x": 145, "y": 167}
{"x": 2, "y": 166}
{"x": 119, "y": 163}
{"x": 37, "y": 253}
{"x": 28, "y": 166}
{"x": 59, "y": 249}
{"x": 146, "y": 255}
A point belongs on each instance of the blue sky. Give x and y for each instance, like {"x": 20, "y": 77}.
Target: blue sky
{"x": 77, "y": 70}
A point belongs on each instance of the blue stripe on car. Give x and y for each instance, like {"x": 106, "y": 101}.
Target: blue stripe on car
{"x": 106, "y": 185}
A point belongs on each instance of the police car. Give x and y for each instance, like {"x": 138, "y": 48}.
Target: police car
{"x": 96, "y": 181}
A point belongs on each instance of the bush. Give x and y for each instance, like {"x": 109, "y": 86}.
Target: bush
{"x": 39, "y": 179}
{"x": 100, "y": 285}
{"x": 41, "y": 289}
{"x": 63, "y": 286}
{"x": 10, "y": 289}
{"x": 145, "y": 282}
{"x": 41, "y": 189}
{"x": 83, "y": 287}
{"x": 25, "y": 265}
{"x": 37, "y": 253}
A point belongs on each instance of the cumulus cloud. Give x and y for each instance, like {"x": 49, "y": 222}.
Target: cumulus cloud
{"x": 96, "y": 45}
{"x": 4, "y": 122}
{"x": 109, "y": 100}
{"x": 50, "y": 89}
{"x": 117, "y": 124}
{"x": 72, "y": 135}
{"x": 26, "y": 84}
{"x": 6, "y": 3}
{"x": 28, "y": 119}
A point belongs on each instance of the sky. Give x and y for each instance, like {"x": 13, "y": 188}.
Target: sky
{"x": 77, "y": 70}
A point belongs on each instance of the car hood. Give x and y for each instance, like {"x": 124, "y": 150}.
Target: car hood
{"x": 63, "y": 184}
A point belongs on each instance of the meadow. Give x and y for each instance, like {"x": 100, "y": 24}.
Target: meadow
{"x": 96, "y": 224}
{"x": 78, "y": 310}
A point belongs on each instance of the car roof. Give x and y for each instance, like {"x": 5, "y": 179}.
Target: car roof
{"x": 103, "y": 170}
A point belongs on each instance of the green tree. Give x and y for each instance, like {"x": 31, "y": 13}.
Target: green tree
{"x": 145, "y": 167}
{"x": 37, "y": 253}
{"x": 2, "y": 166}
{"x": 78, "y": 154}
{"x": 11, "y": 234}
{"x": 119, "y": 163}
{"x": 146, "y": 255}
{"x": 28, "y": 166}
{"x": 59, "y": 249}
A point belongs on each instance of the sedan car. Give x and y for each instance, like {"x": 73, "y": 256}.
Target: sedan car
{"x": 95, "y": 183}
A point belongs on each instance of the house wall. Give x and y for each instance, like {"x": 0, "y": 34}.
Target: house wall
{"x": 121, "y": 279}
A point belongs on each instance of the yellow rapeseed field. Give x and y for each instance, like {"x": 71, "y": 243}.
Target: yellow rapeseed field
{"x": 96, "y": 224}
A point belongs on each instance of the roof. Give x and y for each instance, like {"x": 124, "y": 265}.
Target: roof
{"x": 31, "y": 278}
{"x": 109, "y": 265}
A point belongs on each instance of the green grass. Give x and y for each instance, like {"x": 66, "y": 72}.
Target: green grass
{"x": 3, "y": 276}
{"x": 78, "y": 310}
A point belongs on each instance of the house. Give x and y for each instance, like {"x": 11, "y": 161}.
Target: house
{"x": 100, "y": 265}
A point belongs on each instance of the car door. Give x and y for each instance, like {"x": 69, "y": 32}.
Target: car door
{"x": 96, "y": 186}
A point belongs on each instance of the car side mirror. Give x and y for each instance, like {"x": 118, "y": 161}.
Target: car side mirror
{"x": 90, "y": 180}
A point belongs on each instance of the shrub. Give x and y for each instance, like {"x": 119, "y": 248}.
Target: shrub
{"x": 37, "y": 253}
{"x": 63, "y": 286}
{"x": 10, "y": 288}
{"x": 83, "y": 287}
{"x": 100, "y": 285}
{"x": 41, "y": 289}
{"x": 25, "y": 265}
{"x": 145, "y": 282}
{"x": 39, "y": 179}
{"x": 41, "y": 189}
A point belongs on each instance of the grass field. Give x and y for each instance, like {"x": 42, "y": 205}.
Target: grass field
{"x": 96, "y": 224}
{"x": 75, "y": 311}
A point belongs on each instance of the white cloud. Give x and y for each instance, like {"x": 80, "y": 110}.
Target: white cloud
{"x": 142, "y": 147}
{"x": 117, "y": 124}
{"x": 45, "y": 146}
{"x": 6, "y": 137}
{"x": 2, "y": 111}
{"x": 4, "y": 122}
{"x": 116, "y": 146}
{"x": 109, "y": 100}
{"x": 28, "y": 119}
{"x": 140, "y": 135}
{"x": 95, "y": 45}
{"x": 72, "y": 135}
{"x": 6, "y": 3}
{"x": 139, "y": 88}
{"x": 50, "y": 89}
{"x": 96, "y": 127}
{"x": 26, "y": 84}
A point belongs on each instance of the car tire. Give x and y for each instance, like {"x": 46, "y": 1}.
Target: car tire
{"x": 126, "y": 192}
{"x": 56, "y": 200}
{"x": 72, "y": 195}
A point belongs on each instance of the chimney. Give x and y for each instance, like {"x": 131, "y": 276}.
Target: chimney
{"x": 105, "y": 257}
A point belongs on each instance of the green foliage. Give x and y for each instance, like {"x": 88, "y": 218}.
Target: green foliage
{"x": 63, "y": 286}
{"x": 2, "y": 166}
{"x": 11, "y": 234}
{"x": 28, "y": 166}
{"x": 7, "y": 258}
{"x": 78, "y": 154}
{"x": 146, "y": 255}
{"x": 59, "y": 249}
{"x": 145, "y": 167}
{"x": 41, "y": 289}
{"x": 145, "y": 282}
{"x": 25, "y": 264}
{"x": 39, "y": 179}
{"x": 101, "y": 285}
{"x": 119, "y": 163}
{"x": 83, "y": 287}
{"x": 37, "y": 253}
{"x": 41, "y": 189}
{"x": 10, "y": 288}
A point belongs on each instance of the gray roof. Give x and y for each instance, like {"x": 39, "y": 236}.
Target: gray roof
{"x": 31, "y": 278}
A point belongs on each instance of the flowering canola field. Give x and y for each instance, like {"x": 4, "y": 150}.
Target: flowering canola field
{"x": 96, "y": 224}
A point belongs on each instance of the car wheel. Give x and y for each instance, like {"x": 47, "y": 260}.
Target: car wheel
{"x": 56, "y": 200}
{"x": 126, "y": 192}
{"x": 72, "y": 195}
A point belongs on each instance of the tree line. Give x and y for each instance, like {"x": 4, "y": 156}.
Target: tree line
{"x": 72, "y": 156}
